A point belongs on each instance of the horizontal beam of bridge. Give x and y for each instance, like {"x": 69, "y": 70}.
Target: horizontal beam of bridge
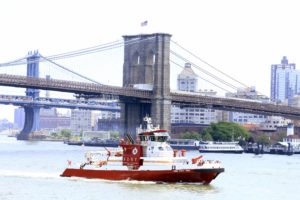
{"x": 42, "y": 102}
{"x": 236, "y": 105}
{"x": 71, "y": 86}
{"x": 131, "y": 93}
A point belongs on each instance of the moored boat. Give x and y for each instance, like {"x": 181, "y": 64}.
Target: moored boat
{"x": 149, "y": 159}
{"x": 188, "y": 144}
{"x": 94, "y": 143}
{"x": 220, "y": 147}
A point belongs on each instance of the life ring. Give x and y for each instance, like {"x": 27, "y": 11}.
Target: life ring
{"x": 134, "y": 151}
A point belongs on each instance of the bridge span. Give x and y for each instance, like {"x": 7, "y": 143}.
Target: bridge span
{"x": 146, "y": 61}
{"x": 46, "y": 102}
{"x": 132, "y": 94}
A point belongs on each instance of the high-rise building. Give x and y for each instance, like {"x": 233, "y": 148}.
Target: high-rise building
{"x": 285, "y": 81}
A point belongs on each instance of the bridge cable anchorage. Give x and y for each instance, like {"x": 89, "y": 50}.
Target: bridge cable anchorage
{"x": 215, "y": 68}
{"x": 82, "y": 76}
{"x": 201, "y": 77}
{"x": 205, "y": 71}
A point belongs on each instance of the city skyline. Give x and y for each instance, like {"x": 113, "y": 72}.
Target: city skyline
{"x": 242, "y": 39}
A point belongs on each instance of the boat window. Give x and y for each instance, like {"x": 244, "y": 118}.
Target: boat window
{"x": 162, "y": 138}
{"x": 152, "y": 138}
{"x": 142, "y": 138}
{"x": 160, "y": 148}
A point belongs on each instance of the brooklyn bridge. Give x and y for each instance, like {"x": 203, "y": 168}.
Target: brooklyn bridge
{"x": 146, "y": 62}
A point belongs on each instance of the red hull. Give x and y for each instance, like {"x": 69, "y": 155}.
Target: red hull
{"x": 204, "y": 176}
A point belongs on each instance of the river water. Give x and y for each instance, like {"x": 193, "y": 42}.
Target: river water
{"x": 30, "y": 170}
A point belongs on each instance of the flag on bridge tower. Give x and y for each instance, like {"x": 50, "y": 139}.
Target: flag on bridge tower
{"x": 144, "y": 23}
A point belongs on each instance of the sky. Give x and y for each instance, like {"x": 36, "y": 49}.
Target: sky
{"x": 242, "y": 38}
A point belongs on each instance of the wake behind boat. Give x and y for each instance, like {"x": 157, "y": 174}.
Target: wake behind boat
{"x": 150, "y": 159}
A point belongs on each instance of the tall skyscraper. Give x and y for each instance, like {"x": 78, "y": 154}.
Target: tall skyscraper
{"x": 285, "y": 81}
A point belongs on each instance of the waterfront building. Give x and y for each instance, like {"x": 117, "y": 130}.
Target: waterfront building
{"x": 5, "y": 124}
{"x": 81, "y": 120}
{"x": 19, "y": 118}
{"x": 109, "y": 121}
{"x": 187, "y": 81}
{"x": 285, "y": 81}
{"x": 272, "y": 123}
{"x": 50, "y": 118}
{"x": 250, "y": 94}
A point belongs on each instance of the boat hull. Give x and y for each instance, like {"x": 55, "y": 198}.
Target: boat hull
{"x": 204, "y": 176}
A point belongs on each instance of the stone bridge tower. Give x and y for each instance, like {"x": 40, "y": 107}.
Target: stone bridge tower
{"x": 32, "y": 113}
{"x": 147, "y": 66}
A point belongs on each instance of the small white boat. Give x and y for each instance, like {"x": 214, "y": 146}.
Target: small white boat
{"x": 220, "y": 147}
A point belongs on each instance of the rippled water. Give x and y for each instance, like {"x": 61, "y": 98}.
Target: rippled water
{"x": 30, "y": 170}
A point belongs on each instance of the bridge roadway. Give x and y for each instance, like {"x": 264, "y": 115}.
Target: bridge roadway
{"x": 44, "y": 102}
{"x": 180, "y": 98}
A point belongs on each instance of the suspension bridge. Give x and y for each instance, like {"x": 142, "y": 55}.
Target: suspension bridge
{"x": 147, "y": 60}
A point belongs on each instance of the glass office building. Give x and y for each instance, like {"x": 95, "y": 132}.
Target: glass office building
{"x": 285, "y": 81}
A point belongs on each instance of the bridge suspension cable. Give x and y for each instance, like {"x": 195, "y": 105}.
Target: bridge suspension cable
{"x": 81, "y": 52}
{"x": 204, "y": 71}
{"x": 11, "y": 63}
{"x": 202, "y": 77}
{"x": 228, "y": 76}
{"x": 213, "y": 67}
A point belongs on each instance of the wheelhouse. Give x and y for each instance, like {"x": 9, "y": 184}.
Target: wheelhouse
{"x": 154, "y": 136}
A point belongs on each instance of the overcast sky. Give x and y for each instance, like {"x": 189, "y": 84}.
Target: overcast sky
{"x": 241, "y": 38}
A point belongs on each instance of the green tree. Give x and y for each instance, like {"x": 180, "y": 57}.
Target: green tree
{"x": 54, "y": 134}
{"x": 65, "y": 133}
{"x": 190, "y": 135}
{"x": 281, "y": 135}
{"x": 264, "y": 139}
{"x": 227, "y": 131}
{"x": 115, "y": 135}
{"x": 207, "y": 136}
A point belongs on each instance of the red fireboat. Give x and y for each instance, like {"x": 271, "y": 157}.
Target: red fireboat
{"x": 149, "y": 159}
